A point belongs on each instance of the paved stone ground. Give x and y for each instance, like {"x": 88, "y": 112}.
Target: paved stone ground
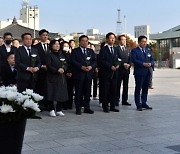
{"x": 126, "y": 132}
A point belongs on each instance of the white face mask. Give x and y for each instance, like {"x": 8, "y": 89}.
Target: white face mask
{"x": 66, "y": 49}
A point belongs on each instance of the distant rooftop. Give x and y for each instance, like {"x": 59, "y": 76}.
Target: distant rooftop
{"x": 17, "y": 30}
{"x": 168, "y": 34}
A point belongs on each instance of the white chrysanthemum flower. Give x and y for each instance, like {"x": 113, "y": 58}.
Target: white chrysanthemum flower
{"x": 88, "y": 58}
{"x": 30, "y": 104}
{"x": 2, "y": 88}
{"x": 3, "y": 94}
{"x": 29, "y": 92}
{"x": 62, "y": 59}
{"x": 6, "y": 108}
{"x": 119, "y": 59}
{"x": 11, "y": 88}
{"x": 11, "y": 95}
{"x": 37, "y": 97}
{"x": 34, "y": 55}
{"x": 21, "y": 98}
{"x": 149, "y": 55}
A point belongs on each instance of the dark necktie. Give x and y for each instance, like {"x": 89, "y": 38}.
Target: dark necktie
{"x": 45, "y": 49}
{"x": 84, "y": 51}
{"x": 112, "y": 51}
{"x": 144, "y": 53}
{"x": 29, "y": 50}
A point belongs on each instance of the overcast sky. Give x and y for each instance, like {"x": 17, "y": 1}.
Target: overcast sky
{"x": 67, "y": 16}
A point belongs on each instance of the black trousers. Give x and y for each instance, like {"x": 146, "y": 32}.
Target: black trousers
{"x": 41, "y": 89}
{"x": 23, "y": 85}
{"x": 95, "y": 80}
{"x": 100, "y": 87}
{"x": 70, "y": 87}
{"x": 82, "y": 93}
{"x": 124, "y": 77}
{"x": 108, "y": 92}
{"x": 58, "y": 107}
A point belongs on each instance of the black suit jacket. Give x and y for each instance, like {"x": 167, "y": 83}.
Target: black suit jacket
{"x": 106, "y": 61}
{"x": 42, "y": 53}
{"x": 23, "y": 61}
{"x": 78, "y": 60}
{"x": 3, "y": 54}
{"x": 8, "y": 76}
{"x": 125, "y": 57}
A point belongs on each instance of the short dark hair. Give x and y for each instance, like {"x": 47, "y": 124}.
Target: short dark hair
{"x": 119, "y": 37}
{"x": 83, "y": 36}
{"x": 108, "y": 34}
{"x": 16, "y": 40}
{"x": 62, "y": 44}
{"x": 10, "y": 53}
{"x": 52, "y": 43}
{"x": 103, "y": 44}
{"x": 71, "y": 41}
{"x": 43, "y": 31}
{"x": 22, "y": 36}
{"x": 141, "y": 37}
{"x": 6, "y": 34}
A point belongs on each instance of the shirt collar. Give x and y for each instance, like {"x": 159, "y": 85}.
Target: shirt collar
{"x": 27, "y": 47}
{"x": 142, "y": 49}
{"x": 83, "y": 49}
{"x": 7, "y": 46}
{"x": 43, "y": 43}
{"x": 110, "y": 46}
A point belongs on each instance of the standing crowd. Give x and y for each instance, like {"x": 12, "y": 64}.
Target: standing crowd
{"x": 64, "y": 73}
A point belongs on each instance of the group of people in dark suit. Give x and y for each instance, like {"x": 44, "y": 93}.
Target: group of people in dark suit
{"x": 114, "y": 65}
{"x": 58, "y": 69}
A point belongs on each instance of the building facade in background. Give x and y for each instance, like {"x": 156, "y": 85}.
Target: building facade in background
{"x": 142, "y": 30}
{"x": 168, "y": 43}
{"x": 29, "y": 17}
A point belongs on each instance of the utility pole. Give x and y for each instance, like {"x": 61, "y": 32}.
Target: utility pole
{"x": 118, "y": 29}
{"x": 125, "y": 25}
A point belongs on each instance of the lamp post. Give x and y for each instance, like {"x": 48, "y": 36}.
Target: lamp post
{"x": 35, "y": 14}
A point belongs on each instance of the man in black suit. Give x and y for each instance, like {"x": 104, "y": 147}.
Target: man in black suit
{"x": 124, "y": 71}
{"x": 109, "y": 60}
{"x": 6, "y": 47}
{"x": 27, "y": 63}
{"x": 8, "y": 71}
{"x": 83, "y": 64}
{"x": 43, "y": 49}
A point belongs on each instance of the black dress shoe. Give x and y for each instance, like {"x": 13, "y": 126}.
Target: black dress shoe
{"x": 89, "y": 111}
{"x": 139, "y": 108}
{"x": 114, "y": 110}
{"x": 78, "y": 112}
{"x": 106, "y": 110}
{"x": 147, "y": 107}
{"x": 126, "y": 103}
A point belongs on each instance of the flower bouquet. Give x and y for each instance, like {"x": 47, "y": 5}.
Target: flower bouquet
{"x": 118, "y": 62}
{"x": 88, "y": 61}
{"x": 33, "y": 62}
{"x": 63, "y": 64}
{"x": 15, "y": 108}
{"x": 149, "y": 57}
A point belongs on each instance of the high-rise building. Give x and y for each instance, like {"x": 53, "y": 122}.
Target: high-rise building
{"x": 142, "y": 30}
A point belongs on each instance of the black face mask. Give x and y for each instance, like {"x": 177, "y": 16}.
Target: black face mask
{"x": 8, "y": 42}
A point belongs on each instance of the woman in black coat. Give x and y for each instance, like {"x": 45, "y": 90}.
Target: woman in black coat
{"x": 66, "y": 50}
{"x": 56, "y": 80}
